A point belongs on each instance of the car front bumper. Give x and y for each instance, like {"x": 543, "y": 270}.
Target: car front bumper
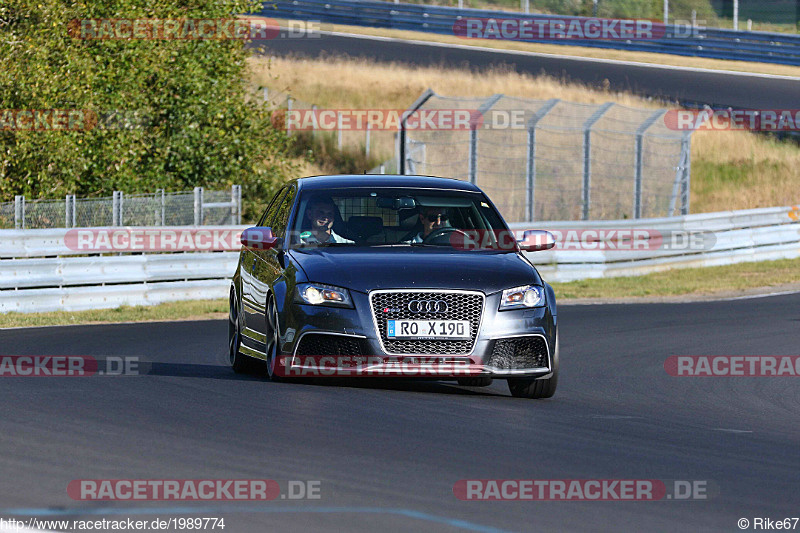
{"x": 329, "y": 341}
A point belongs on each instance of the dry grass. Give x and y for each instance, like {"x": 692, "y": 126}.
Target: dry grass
{"x": 730, "y": 170}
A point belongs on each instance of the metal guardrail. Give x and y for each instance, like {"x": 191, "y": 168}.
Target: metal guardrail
{"x": 701, "y": 42}
{"x": 47, "y": 278}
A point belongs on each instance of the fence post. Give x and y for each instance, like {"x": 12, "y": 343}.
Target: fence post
{"x": 366, "y": 146}
{"x": 66, "y": 212}
{"x": 382, "y": 168}
{"x": 530, "y": 168}
{"x": 526, "y": 6}
{"x": 288, "y": 112}
{"x": 314, "y": 120}
{"x": 666, "y": 11}
{"x": 266, "y": 95}
{"x": 474, "y": 124}
{"x": 637, "y": 180}
{"x": 401, "y": 143}
{"x": 339, "y": 130}
{"x": 116, "y": 212}
{"x": 587, "y": 157}
{"x": 163, "y": 208}
{"x": 236, "y": 195}
{"x": 687, "y": 172}
{"x": 19, "y": 212}
{"x": 198, "y": 206}
{"x": 736, "y": 15}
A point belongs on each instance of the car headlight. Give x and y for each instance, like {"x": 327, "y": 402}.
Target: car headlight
{"x": 522, "y": 297}
{"x": 321, "y": 294}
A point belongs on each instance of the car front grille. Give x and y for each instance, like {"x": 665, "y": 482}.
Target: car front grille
{"x": 326, "y": 344}
{"x": 393, "y": 305}
{"x": 519, "y": 353}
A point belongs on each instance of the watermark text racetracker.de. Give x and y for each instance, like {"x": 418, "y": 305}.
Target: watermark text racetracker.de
{"x": 192, "y": 490}
{"x": 587, "y": 239}
{"x": 582, "y": 489}
{"x": 67, "y": 366}
{"x": 544, "y": 28}
{"x": 243, "y": 29}
{"x": 766, "y": 120}
{"x": 733, "y": 365}
{"x": 153, "y": 239}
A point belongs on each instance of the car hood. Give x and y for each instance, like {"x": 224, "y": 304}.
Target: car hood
{"x": 365, "y": 269}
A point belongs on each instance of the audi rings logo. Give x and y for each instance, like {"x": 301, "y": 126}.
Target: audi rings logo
{"x": 427, "y": 306}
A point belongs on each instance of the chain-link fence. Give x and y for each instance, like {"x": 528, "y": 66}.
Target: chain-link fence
{"x": 555, "y": 160}
{"x": 197, "y": 207}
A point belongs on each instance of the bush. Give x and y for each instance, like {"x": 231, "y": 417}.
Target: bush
{"x": 186, "y": 119}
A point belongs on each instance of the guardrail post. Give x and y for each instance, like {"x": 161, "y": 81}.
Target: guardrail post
{"x": 587, "y": 159}
{"x": 198, "y": 206}
{"x": 401, "y": 144}
{"x": 19, "y": 212}
{"x": 530, "y": 168}
{"x": 637, "y": 180}
{"x": 474, "y": 123}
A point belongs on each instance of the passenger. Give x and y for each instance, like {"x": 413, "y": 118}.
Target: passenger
{"x": 321, "y": 214}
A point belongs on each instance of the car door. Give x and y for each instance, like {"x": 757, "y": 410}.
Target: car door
{"x": 253, "y": 306}
{"x": 269, "y": 264}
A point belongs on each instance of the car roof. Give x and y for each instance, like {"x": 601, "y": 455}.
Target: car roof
{"x": 383, "y": 180}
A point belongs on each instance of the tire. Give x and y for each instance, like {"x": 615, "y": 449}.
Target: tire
{"x": 273, "y": 341}
{"x": 239, "y": 362}
{"x": 480, "y": 381}
{"x": 536, "y": 388}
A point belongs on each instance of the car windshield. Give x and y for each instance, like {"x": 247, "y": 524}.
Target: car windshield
{"x": 395, "y": 217}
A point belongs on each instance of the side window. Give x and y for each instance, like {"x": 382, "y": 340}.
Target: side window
{"x": 271, "y": 208}
{"x": 281, "y": 218}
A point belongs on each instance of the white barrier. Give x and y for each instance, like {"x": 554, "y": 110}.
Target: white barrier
{"x": 45, "y": 275}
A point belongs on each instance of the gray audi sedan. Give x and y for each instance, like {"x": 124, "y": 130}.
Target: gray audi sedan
{"x": 393, "y": 276}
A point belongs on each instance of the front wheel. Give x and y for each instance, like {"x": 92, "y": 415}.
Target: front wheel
{"x": 536, "y": 388}
{"x": 239, "y": 362}
{"x": 273, "y": 341}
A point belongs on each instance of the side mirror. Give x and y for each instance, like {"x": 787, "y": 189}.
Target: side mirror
{"x": 536, "y": 240}
{"x": 258, "y": 238}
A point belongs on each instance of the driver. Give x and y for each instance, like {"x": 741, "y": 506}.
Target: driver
{"x": 432, "y": 218}
{"x": 321, "y": 213}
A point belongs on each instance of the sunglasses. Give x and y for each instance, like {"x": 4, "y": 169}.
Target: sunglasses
{"x": 434, "y": 216}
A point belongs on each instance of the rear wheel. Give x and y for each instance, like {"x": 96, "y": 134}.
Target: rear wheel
{"x": 239, "y": 362}
{"x": 536, "y": 388}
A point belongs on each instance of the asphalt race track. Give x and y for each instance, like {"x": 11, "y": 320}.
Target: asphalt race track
{"x": 388, "y": 455}
{"x": 683, "y": 85}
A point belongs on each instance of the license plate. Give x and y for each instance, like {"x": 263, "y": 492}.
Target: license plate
{"x": 428, "y": 329}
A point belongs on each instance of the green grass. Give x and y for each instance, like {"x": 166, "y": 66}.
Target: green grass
{"x": 679, "y": 282}
{"x": 195, "y": 309}
{"x": 687, "y": 281}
